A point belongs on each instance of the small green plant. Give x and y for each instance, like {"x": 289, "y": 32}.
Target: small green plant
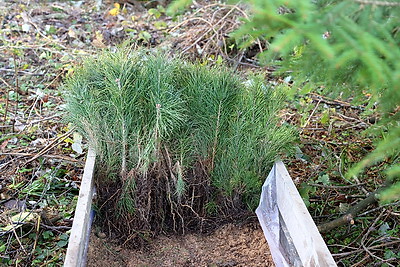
{"x": 173, "y": 135}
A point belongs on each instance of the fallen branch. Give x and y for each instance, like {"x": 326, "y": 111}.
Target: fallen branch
{"x": 349, "y": 216}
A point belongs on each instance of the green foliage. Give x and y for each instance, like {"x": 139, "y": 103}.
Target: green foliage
{"x": 347, "y": 47}
{"x": 178, "y": 6}
{"x": 144, "y": 112}
{"x": 390, "y": 194}
{"x": 360, "y": 48}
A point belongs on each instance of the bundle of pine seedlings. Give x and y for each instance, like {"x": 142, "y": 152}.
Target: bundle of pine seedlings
{"x": 178, "y": 144}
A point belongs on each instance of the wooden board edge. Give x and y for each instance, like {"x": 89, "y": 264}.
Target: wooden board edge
{"x": 80, "y": 226}
{"x": 299, "y": 211}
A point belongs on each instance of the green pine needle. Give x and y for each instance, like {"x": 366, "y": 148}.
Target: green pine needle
{"x": 143, "y": 112}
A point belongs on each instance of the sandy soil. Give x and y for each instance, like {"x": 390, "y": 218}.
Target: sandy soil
{"x": 228, "y": 246}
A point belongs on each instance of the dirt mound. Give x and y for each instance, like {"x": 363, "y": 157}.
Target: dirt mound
{"x": 230, "y": 245}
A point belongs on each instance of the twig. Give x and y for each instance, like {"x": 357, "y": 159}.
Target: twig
{"x": 45, "y": 188}
{"x": 361, "y": 187}
{"x": 188, "y": 20}
{"x": 35, "y": 121}
{"x": 17, "y": 90}
{"x": 209, "y": 6}
{"x": 55, "y": 228}
{"x": 215, "y": 27}
{"x": 45, "y": 119}
{"x": 204, "y": 34}
{"x": 37, "y": 234}
{"x": 309, "y": 117}
{"x": 21, "y": 154}
{"x": 33, "y": 107}
{"x": 380, "y": 207}
{"x": 344, "y": 254}
{"x": 54, "y": 143}
{"x": 371, "y": 228}
{"x": 7, "y": 163}
{"x": 43, "y": 35}
{"x": 7, "y": 99}
{"x": 374, "y": 256}
{"x": 21, "y": 72}
{"x": 348, "y": 118}
{"x": 105, "y": 202}
{"x": 336, "y": 102}
{"x": 337, "y": 186}
{"x": 19, "y": 241}
{"x": 361, "y": 261}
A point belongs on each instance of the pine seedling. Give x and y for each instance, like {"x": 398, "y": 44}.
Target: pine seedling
{"x": 174, "y": 136}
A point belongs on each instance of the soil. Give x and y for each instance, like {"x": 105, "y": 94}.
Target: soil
{"x": 230, "y": 245}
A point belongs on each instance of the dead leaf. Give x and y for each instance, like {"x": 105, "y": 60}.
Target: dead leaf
{"x": 19, "y": 125}
{"x": 3, "y": 145}
{"x": 98, "y": 44}
{"x": 115, "y": 11}
{"x": 15, "y": 204}
{"x": 26, "y": 27}
{"x": 16, "y": 220}
{"x": 98, "y": 40}
{"x": 71, "y": 33}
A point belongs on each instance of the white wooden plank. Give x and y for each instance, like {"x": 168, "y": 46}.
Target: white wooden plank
{"x": 308, "y": 241}
{"x": 298, "y": 242}
{"x": 268, "y": 216}
{"x": 77, "y": 240}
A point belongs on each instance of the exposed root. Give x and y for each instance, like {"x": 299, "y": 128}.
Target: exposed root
{"x": 156, "y": 208}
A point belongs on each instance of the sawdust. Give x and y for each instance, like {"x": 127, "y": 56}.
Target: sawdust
{"x": 230, "y": 245}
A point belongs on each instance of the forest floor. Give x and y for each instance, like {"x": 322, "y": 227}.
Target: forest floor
{"x": 42, "y": 157}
